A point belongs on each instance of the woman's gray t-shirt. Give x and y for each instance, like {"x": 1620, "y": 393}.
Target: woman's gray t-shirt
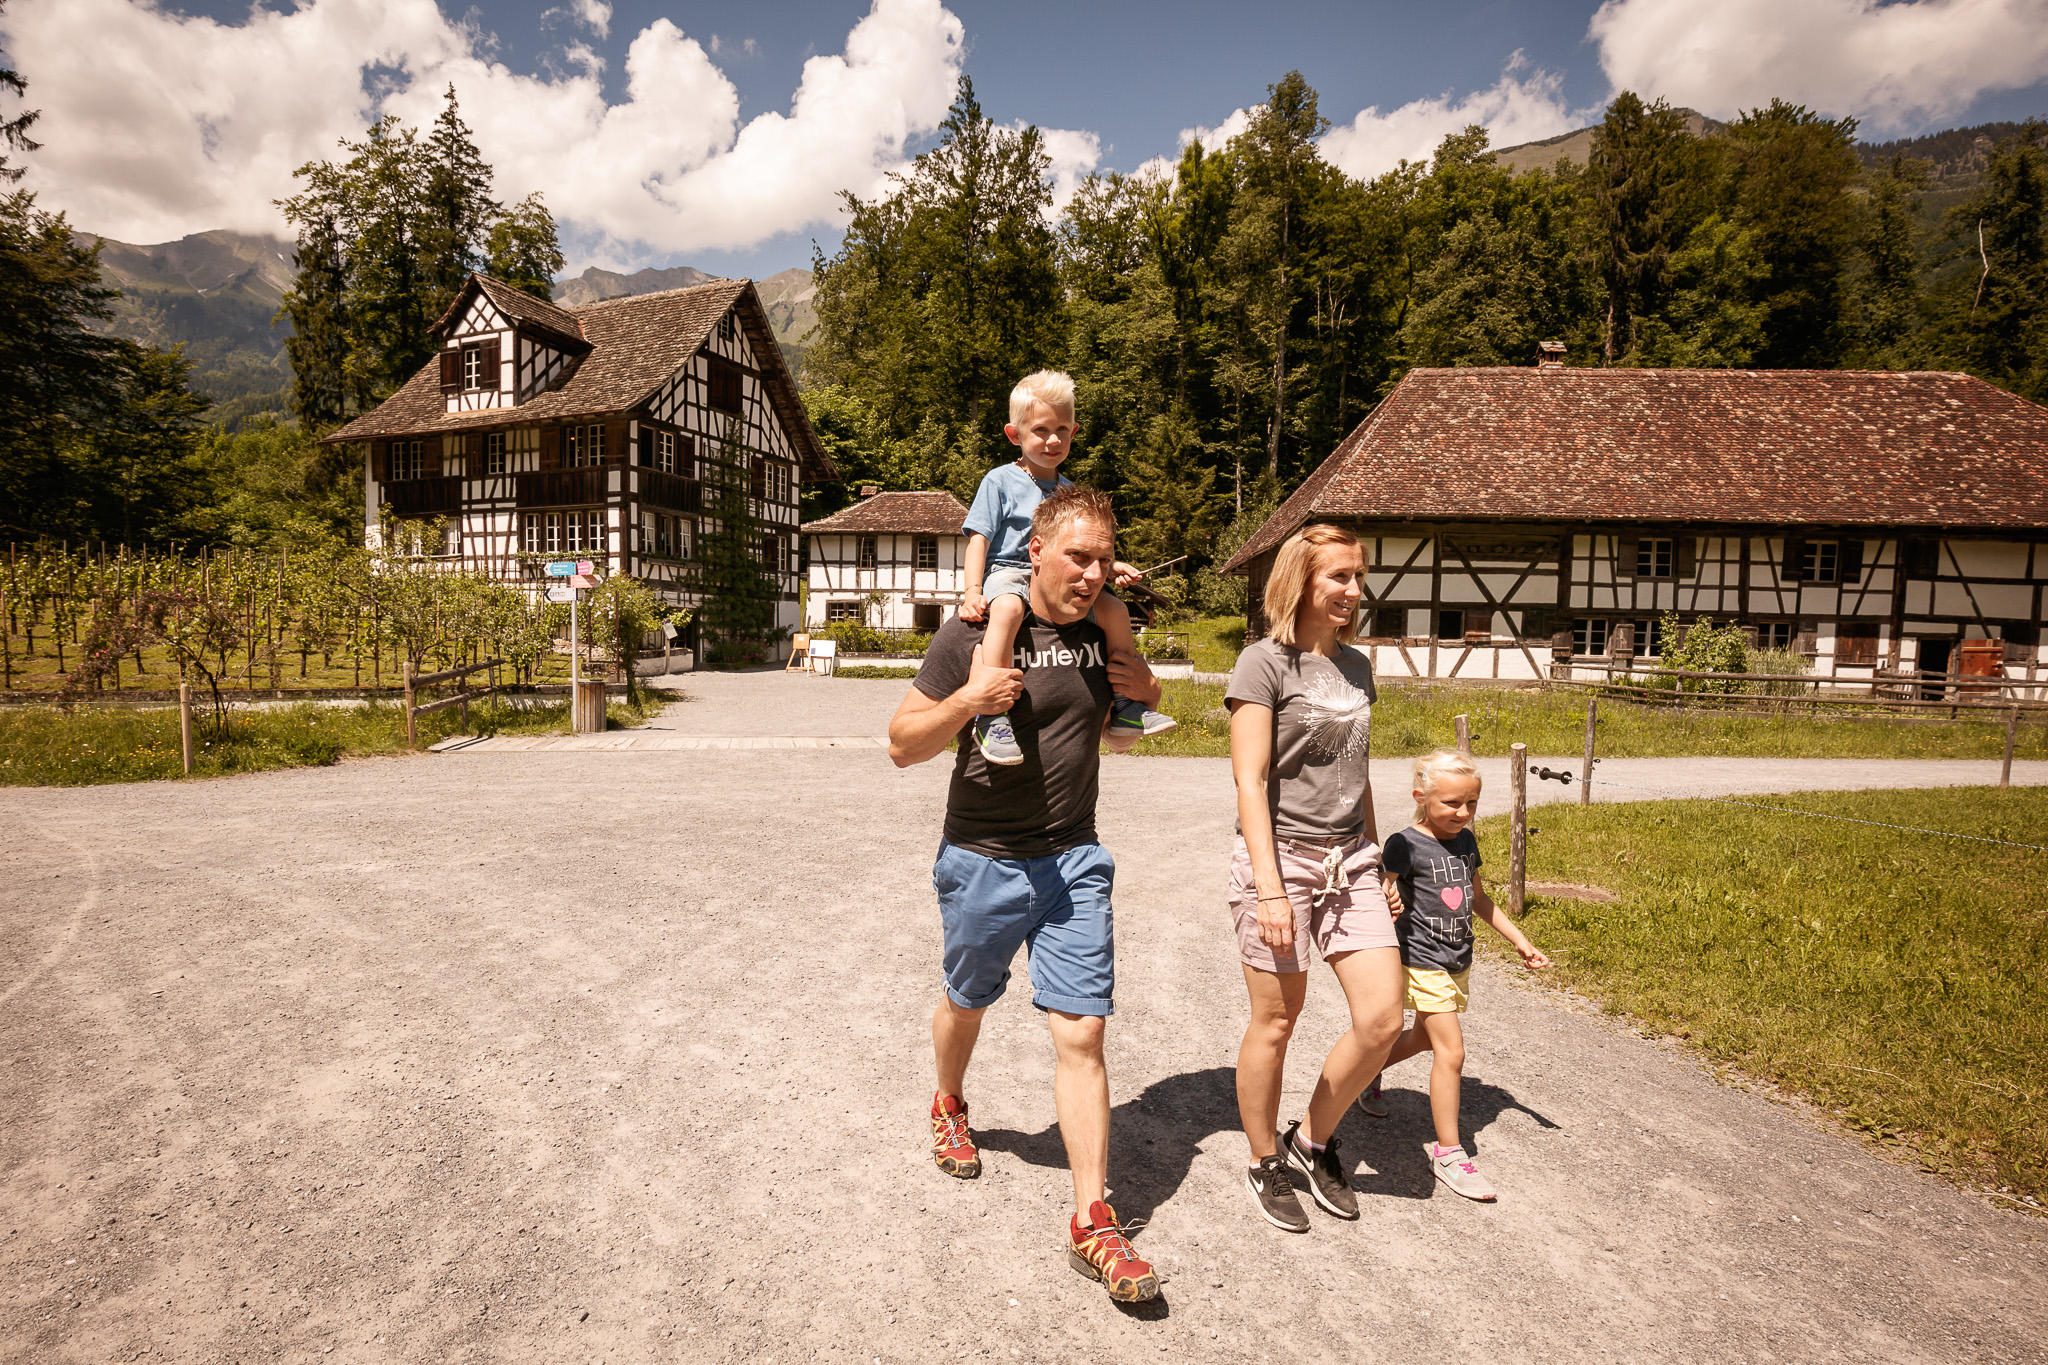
{"x": 1322, "y": 730}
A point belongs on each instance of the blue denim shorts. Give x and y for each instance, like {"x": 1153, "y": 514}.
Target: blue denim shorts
{"x": 1056, "y": 907}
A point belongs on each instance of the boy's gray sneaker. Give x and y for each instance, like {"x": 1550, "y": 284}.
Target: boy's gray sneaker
{"x": 1269, "y": 1183}
{"x": 1324, "y": 1174}
{"x": 997, "y": 741}
{"x": 1134, "y": 719}
{"x": 1455, "y": 1169}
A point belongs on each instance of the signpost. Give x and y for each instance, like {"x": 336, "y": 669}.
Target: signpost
{"x": 582, "y": 574}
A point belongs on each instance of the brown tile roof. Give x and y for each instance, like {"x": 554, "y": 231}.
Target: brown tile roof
{"x": 902, "y": 514}
{"x": 635, "y": 343}
{"x": 1772, "y": 447}
{"x": 520, "y": 306}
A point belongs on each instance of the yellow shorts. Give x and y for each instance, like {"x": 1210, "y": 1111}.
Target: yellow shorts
{"x": 1431, "y": 991}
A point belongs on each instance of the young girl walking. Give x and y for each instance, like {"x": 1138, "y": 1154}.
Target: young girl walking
{"x": 1435, "y": 864}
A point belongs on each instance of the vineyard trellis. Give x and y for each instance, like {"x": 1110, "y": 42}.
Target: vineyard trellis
{"x": 86, "y": 620}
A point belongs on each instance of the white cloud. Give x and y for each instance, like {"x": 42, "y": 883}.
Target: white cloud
{"x": 1896, "y": 65}
{"x": 595, "y": 15}
{"x": 155, "y": 124}
{"x": 1212, "y": 140}
{"x": 1075, "y": 154}
{"x": 1515, "y": 109}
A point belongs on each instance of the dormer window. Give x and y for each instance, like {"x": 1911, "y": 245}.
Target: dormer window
{"x": 470, "y": 367}
{"x": 728, "y": 327}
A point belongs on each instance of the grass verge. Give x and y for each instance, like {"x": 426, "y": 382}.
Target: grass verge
{"x": 874, "y": 671}
{"x": 1895, "y": 979}
{"x": 44, "y": 747}
{"x": 1412, "y": 719}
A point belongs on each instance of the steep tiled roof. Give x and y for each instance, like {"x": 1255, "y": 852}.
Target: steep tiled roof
{"x": 902, "y": 514}
{"x": 1771, "y": 447}
{"x": 521, "y": 307}
{"x": 635, "y": 343}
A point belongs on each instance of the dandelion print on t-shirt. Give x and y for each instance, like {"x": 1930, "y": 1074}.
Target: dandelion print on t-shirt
{"x": 1337, "y": 716}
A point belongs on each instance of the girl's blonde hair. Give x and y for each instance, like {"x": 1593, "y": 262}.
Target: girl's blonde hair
{"x": 1054, "y": 388}
{"x": 1293, "y": 567}
{"x": 1434, "y": 767}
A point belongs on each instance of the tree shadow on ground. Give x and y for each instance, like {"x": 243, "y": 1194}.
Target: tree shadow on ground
{"x": 1386, "y": 1154}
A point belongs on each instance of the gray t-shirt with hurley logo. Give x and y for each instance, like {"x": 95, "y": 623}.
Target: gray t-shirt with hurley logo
{"x": 1322, "y": 735}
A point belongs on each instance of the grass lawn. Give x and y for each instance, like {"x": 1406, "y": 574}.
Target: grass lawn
{"x": 44, "y": 747}
{"x": 1898, "y": 980}
{"x": 1414, "y": 718}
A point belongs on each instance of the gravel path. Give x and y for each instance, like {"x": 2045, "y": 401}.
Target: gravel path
{"x": 583, "y": 1056}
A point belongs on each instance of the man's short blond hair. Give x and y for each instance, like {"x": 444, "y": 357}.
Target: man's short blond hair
{"x": 1071, "y": 503}
{"x": 1054, "y": 388}
{"x": 1292, "y": 569}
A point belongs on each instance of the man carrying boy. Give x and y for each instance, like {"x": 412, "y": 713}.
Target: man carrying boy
{"x": 1042, "y": 428}
{"x": 1019, "y": 865}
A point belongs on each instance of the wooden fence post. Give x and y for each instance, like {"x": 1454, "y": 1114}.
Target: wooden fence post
{"x": 411, "y": 735}
{"x": 1586, "y": 777}
{"x": 1464, "y": 724}
{"x": 2012, "y": 734}
{"x": 185, "y": 723}
{"x": 1518, "y": 826}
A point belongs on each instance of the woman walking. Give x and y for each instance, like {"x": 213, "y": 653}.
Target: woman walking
{"x": 1306, "y": 867}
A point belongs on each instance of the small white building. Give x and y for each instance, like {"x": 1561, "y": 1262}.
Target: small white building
{"x": 897, "y": 561}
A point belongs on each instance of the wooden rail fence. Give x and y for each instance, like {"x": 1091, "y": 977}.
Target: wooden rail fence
{"x": 415, "y": 709}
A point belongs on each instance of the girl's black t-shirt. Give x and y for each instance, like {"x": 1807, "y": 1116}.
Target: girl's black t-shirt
{"x": 1435, "y": 927}
{"x": 1046, "y": 804}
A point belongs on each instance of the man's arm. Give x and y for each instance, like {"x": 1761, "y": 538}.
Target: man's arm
{"x": 1135, "y": 681}
{"x": 922, "y": 726}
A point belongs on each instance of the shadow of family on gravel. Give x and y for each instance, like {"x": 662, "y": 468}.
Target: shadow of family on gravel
{"x": 1155, "y": 1137}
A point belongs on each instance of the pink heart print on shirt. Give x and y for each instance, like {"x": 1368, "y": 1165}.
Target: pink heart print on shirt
{"x": 1453, "y": 897}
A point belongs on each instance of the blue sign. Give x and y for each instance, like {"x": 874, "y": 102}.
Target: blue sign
{"x": 562, "y": 568}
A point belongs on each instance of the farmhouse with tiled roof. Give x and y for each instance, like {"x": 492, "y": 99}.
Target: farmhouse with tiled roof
{"x": 1521, "y": 522}
{"x": 603, "y": 432}
{"x": 894, "y": 560}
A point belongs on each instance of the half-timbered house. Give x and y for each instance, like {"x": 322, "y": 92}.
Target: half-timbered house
{"x": 894, "y": 560}
{"x": 1539, "y": 522}
{"x": 607, "y": 432}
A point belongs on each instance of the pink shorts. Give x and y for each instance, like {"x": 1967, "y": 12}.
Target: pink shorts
{"x": 1350, "y": 917}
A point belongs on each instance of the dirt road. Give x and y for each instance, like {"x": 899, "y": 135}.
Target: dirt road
{"x": 594, "y": 1056}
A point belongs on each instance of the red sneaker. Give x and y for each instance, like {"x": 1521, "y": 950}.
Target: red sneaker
{"x": 952, "y": 1143}
{"x": 1102, "y": 1252}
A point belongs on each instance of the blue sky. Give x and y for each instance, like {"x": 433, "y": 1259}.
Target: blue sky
{"x": 718, "y": 135}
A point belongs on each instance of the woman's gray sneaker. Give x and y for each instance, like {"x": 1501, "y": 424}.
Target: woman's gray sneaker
{"x": 1270, "y": 1185}
{"x": 1324, "y": 1174}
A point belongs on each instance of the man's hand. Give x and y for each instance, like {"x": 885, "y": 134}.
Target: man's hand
{"x": 1131, "y": 678}
{"x": 991, "y": 690}
{"x": 1123, "y": 575}
{"x": 974, "y": 607}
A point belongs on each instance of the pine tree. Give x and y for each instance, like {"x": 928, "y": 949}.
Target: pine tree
{"x": 14, "y": 131}
{"x": 1635, "y": 177}
{"x": 324, "y": 391}
{"x": 1793, "y": 175}
{"x": 1887, "y": 295}
{"x": 2005, "y": 327}
{"x": 457, "y": 208}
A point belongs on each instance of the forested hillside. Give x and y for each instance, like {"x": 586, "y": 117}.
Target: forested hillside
{"x": 1230, "y": 323}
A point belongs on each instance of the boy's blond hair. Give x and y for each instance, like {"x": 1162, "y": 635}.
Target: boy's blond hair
{"x": 1293, "y": 567}
{"x": 1054, "y": 388}
{"x": 1434, "y": 767}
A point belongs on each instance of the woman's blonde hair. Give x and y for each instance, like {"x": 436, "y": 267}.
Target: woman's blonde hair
{"x": 1434, "y": 767}
{"x": 1293, "y": 567}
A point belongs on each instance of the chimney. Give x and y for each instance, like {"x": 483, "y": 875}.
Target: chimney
{"x": 868, "y": 490}
{"x": 1550, "y": 355}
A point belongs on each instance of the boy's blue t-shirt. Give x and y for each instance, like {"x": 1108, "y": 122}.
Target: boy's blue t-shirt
{"x": 1002, "y": 511}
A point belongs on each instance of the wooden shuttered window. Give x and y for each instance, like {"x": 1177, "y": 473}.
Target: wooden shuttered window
{"x": 550, "y": 447}
{"x": 758, "y": 479}
{"x": 380, "y": 461}
{"x": 616, "y": 439}
{"x": 1686, "y": 558}
{"x": 489, "y": 378}
{"x": 1793, "y": 569}
{"x": 430, "y": 457}
{"x": 1856, "y": 644}
{"x": 723, "y": 384}
{"x": 1920, "y": 558}
{"x": 451, "y": 372}
{"x": 1625, "y": 548}
{"x": 644, "y": 451}
{"x": 1851, "y": 563}
{"x": 473, "y": 455}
